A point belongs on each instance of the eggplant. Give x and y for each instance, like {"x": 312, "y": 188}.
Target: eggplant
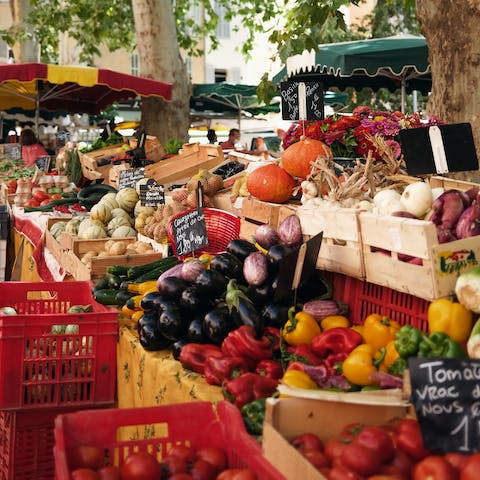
{"x": 191, "y": 269}
{"x": 195, "y": 332}
{"x": 217, "y": 324}
{"x": 264, "y": 293}
{"x": 148, "y": 333}
{"x": 228, "y": 265}
{"x": 177, "y": 348}
{"x": 212, "y": 283}
{"x": 241, "y": 248}
{"x": 290, "y": 230}
{"x": 266, "y": 236}
{"x": 255, "y": 268}
{"x": 276, "y": 254}
{"x": 172, "y": 323}
{"x": 172, "y": 287}
{"x": 274, "y": 314}
{"x": 315, "y": 286}
{"x": 150, "y": 301}
{"x": 192, "y": 299}
{"x": 238, "y": 302}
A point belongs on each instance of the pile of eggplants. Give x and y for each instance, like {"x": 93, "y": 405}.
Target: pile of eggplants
{"x": 194, "y": 304}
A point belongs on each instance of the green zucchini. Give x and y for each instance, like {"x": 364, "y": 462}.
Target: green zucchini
{"x": 106, "y": 296}
{"x": 122, "y": 296}
{"x": 118, "y": 269}
{"x": 101, "y": 284}
{"x": 163, "y": 264}
{"x": 114, "y": 281}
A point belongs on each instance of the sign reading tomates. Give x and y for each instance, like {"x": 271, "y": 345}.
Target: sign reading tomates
{"x": 446, "y": 397}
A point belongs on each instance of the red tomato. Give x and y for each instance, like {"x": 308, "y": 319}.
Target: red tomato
{"x": 350, "y": 431}
{"x": 214, "y": 455}
{"x": 32, "y": 203}
{"x": 434, "y": 467}
{"x": 334, "y": 448}
{"x": 40, "y": 195}
{"x": 315, "y": 457}
{"x": 110, "y": 472}
{"x": 141, "y": 466}
{"x": 12, "y": 183}
{"x": 402, "y": 462}
{"x": 408, "y": 437}
{"x": 237, "y": 474}
{"x": 388, "y": 476}
{"x": 55, "y": 196}
{"x": 45, "y": 202}
{"x": 456, "y": 460}
{"x": 181, "y": 476}
{"x": 182, "y": 451}
{"x": 84, "y": 474}
{"x": 308, "y": 441}
{"x": 360, "y": 459}
{"x": 174, "y": 464}
{"x": 339, "y": 472}
{"x": 471, "y": 469}
{"x": 377, "y": 439}
{"x": 86, "y": 456}
{"x": 203, "y": 470}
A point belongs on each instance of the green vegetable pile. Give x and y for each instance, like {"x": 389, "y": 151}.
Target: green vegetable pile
{"x": 113, "y": 139}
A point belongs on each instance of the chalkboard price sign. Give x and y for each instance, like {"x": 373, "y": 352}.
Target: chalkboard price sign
{"x": 446, "y": 397}
{"x": 190, "y": 232}
{"x": 302, "y": 100}
{"x": 129, "y": 178}
{"x": 152, "y": 194}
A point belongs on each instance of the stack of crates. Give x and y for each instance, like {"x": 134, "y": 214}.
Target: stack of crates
{"x": 51, "y": 362}
{"x": 4, "y": 230}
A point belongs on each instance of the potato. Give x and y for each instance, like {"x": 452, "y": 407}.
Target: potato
{"x": 118, "y": 248}
{"x": 142, "y": 246}
{"x": 109, "y": 244}
{"x": 87, "y": 256}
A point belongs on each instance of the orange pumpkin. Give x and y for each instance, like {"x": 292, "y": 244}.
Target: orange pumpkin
{"x": 270, "y": 183}
{"x": 298, "y": 157}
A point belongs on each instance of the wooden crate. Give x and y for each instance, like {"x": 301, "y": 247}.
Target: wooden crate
{"x": 341, "y": 248}
{"x": 449, "y": 183}
{"x": 52, "y": 244}
{"x": 114, "y": 174}
{"x": 98, "y": 265}
{"x": 441, "y": 263}
{"x": 192, "y": 158}
{"x": 90, "y": 168}
{"x": 153, "y": 148}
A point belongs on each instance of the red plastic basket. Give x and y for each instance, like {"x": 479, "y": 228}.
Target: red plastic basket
{"x": 43, "y": 369}
{"x": 222, "y": 227}
{"x": 156, "y": 429}
{"x": 26, "y": 444}
{"x": 364, "y": 298}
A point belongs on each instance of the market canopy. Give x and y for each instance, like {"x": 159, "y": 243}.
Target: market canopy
{"x": 237, "y": 99}
{"x": 397, "y": 62}
{"x": 72, "y": 89}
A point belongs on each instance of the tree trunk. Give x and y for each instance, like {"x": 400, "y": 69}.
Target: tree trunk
{"x": 159, "y": 57}
{"x": 27, "y": 50}
{"x": 451, "y": 29}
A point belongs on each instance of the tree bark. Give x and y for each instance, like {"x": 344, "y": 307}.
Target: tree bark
{"x": 160, "y": 59}
{"x": 451, "y": 30}
{"x": 27, "y": 50}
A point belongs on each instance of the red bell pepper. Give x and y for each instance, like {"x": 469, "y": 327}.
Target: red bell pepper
{"x": 243, "y": 342}
{"x": 333, "y": 363}
{"x": 270, "y": 368}
{"x": 273, "y": 334}
{"x": 335, "y": 340}
{"x": 220, "y": 369}
{"x": 302, "y": 353}
{"x": 194, "y": 355}
{"x": 249, "y": 387}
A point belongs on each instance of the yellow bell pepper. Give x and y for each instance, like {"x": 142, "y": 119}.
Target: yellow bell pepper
{"x": 300, "y": 327}
{"x": 360, "y": 364}
{"x": 298, "y": 379}
{"x": 451, "y": 318}
{"x": 391, "y": 355}
{"x": 333, "y": 321}
{"x": 378, "y": 330}
{"x": 358, "y": 328}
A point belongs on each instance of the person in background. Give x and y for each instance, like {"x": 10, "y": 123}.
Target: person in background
{"x": 212, "y": 136}
{"x": 31, "y": 147}
{"x": 233, "y": 138}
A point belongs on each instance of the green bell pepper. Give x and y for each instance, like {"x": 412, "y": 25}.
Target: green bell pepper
{"x": 407, "y": 341}
{"x": 253, "y": 414}
{"x": 398, "y": 366}
{"x": 439, "y": 344}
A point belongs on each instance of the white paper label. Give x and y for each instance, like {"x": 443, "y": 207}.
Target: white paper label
{"x": 439, "y": 156}
{"x": 302, "y": 101}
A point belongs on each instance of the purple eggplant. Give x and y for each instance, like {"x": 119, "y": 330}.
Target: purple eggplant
{"x": 290, "y": 230}
{"x": 255, "y": 268}
{"x": 266, "y": 236}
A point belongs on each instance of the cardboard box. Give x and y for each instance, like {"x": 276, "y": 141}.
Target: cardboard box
{"x": 286, "y": 418}
{"x": 341, "y": 248}
{"x": 440, "y": 266}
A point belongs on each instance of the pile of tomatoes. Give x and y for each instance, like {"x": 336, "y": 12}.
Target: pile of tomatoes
{"x": 387, "y": 452}
{"x": 181, "y": 463}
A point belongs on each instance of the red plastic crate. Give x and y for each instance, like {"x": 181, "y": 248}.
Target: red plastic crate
{"x": 364, "y": 298}
{"x": 26, "y": 444}
{"x": 156, "y": 430}
{"x": 222, "y": 227}
{"x": 41, "y": 369}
